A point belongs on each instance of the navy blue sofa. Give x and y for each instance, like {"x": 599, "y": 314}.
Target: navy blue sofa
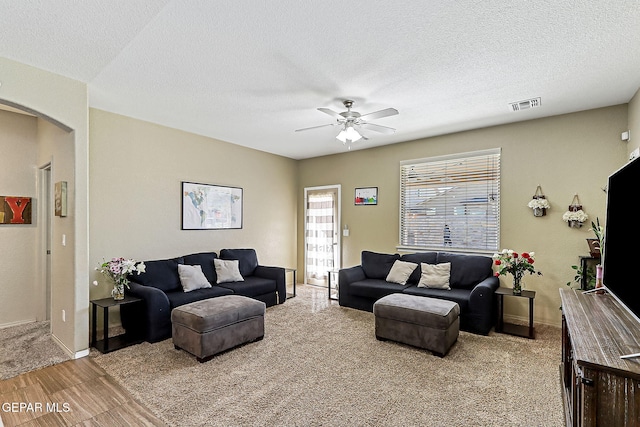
{"x": 161, "y": 291}
{"x": 472, "y": 283}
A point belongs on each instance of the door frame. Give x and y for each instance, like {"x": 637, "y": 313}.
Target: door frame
{"x": 338, "y": 257}
{"x": 45, "y": 213}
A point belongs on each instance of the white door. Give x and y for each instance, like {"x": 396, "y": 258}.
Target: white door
{"x": 322, "y": 233}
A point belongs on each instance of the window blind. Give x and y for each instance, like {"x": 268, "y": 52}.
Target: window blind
{"x": 451, "y": 202}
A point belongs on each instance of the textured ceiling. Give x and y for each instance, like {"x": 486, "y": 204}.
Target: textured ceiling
{"x": 251, "y": 72}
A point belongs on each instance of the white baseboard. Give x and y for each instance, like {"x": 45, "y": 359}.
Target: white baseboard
{"x": 72, "y": 354}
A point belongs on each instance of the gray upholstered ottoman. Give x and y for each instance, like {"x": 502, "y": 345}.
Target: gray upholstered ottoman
{"x": 428, "y": 323}
{"x": 208, "y": 327}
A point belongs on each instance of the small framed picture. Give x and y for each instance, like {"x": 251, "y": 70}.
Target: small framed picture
{"x": 366, "y": 196}
{"x": 60, "y": 198}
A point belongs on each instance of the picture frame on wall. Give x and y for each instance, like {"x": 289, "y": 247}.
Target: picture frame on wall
{"x": 366, "y": 196}
{"x": 211, "y": 207}
{"x": 60, "y": 198}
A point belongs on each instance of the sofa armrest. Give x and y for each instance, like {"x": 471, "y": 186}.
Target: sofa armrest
{"x": 483, "y": 290}
{"x": 277, "y": 274}
{"x": 153, "y": 321}
{"x": 347, "y": 276}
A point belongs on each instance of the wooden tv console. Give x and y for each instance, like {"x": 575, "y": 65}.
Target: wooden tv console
{"x": 599, "y": 388}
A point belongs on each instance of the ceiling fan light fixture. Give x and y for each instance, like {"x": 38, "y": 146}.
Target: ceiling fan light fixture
{"x": 348, "y": 134}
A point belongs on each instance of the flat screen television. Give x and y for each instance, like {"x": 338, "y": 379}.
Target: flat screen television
{"x": 622, "y": 234}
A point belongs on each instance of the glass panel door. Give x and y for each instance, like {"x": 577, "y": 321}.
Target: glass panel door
{"x": 321, "y": 234}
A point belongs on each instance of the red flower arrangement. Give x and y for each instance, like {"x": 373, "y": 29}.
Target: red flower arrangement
{"x": 509, "y": 261}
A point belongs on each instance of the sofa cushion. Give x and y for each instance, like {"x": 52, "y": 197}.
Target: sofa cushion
{"x": 178, "y": 298}
{"x": 461, "y": 296}
{"x": 204, "y": 260}
{"x": 252, "y": 286}
{"x": 374, "y": 288}
{"x": 419, "y": 258}
{"x": 192, "y": 277}
{"x": 467, "y": 270}
{"x": 435, "y": 275}
{"x": 227, "y": 270}
{"x": 376, "y": 265}
{"x": 400, "y": 272}
{"x": 247, "y": 258}
{"x": 161, "y": 274}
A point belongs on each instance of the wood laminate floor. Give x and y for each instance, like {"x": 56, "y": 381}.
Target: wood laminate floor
{"x": 73, "y": 393}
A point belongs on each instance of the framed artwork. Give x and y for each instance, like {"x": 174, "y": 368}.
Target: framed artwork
{"x": 15, "y": 210}
{"x": 366, "y": 196}
{"x": 211, "y": 207}
{"x": 60, "y": 198}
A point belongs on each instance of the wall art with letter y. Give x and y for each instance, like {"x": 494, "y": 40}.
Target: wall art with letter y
{"x": 15, "y": 210}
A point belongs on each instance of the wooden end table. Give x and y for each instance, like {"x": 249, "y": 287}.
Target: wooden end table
{"x": 109, "y": 344}
{"x": 510, "y": 328}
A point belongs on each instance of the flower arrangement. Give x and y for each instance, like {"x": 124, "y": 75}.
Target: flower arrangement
{"x": 539, "y": 203}
{"x": 117, "y": 271}
{"x": 517, "y": 264}
{"x": 578, "y": 216}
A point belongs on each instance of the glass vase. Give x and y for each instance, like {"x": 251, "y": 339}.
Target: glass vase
{"x": 517, "y": 285}
{"x": 118, "y": 292}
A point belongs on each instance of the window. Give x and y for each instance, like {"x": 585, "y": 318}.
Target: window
{"x": 451, "y": 202}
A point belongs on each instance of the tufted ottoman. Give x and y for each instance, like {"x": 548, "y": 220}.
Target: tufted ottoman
{"x": 208, "y": 327}
{"x": 429, "y": 323}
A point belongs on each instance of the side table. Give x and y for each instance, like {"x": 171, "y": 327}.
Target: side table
{"x": 510, "y": 328}
{"x": 109, "y": 344}
{"x": 291, "y": 270}
{"x": 332, "y": 281}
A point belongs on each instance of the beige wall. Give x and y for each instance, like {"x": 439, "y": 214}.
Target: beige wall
{"x": 63, "y": 101}
{"x": 135, "y": 183}
{"x": 566, "y": 154}
{"x": 56, "y": 147}
{"x": 634, "y": 122}
{"x": 18, "y": 146}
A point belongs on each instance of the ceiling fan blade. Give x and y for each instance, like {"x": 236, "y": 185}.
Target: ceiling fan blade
{"x": 381, "y": 113}
{"x": 331, "y": 113}
{"x": 378, "y": 128}
{"x": 315, "y": 127}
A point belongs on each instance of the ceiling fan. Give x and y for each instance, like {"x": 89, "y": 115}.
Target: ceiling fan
{"x": 352, "y": 123}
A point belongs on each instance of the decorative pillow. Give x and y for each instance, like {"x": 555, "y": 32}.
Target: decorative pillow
{"x": 227, "y": 270}
{"x": 376, "y": 265}
{"x": 192, "y": 277}
{"x": 400, "y": 272}
{"x": 248, "y": 259}
{"x": 435, "y": 276}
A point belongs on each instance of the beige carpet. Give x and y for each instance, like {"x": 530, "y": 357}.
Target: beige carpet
{"x": 27, "y": 347}
{"x": 320, "y": 364}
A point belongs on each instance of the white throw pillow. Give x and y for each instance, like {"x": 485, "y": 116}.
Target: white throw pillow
{"x": 192, "y": 277}
{"x": 435, "y": 276}
{"x": 228, "y": 270}
{"x": 400, "y": 272}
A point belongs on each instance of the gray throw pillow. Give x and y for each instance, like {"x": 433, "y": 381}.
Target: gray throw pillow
{"x": 435, "y": 276}
{"x": 400, "y": 272}
{"x": 227, "y": 270}
{"x": 192, "y": 277}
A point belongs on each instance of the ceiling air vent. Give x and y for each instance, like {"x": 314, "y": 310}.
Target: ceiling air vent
{"x": 526, "y": 104}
